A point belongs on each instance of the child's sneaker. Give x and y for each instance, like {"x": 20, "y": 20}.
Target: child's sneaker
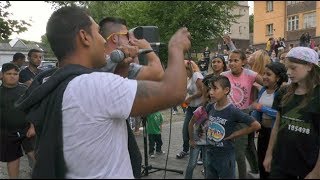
{"x": 152, "y": 155}
{"x": 200, "y": 162}
{"x": 160, "y": 152}
{"x": 202, "y": 172}
{"x": 181, "y": 155}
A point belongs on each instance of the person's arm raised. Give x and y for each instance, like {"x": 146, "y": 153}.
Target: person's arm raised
{"x": 171, "y": 90}
{"x": 153, "y": 70}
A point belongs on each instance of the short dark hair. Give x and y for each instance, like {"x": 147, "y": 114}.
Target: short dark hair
{"x": 223, "y": 81}
{"x": 18, "y": 56}
{"x": 8, "y": 66}
{"x": 107, "y": 23}
{"x": 208, "y": 79}
{"x": 242, "y": 54}
{"x": 62, "y": 28}
{"x": 32, "y": 51}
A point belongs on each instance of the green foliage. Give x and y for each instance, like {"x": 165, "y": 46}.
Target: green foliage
{"x": 57, "y": 4}
{"x": 8, "y": 25}
{"x": 251, "y": 23}
{"x": 45, "y": 42}
{"x": 206, "y": 20}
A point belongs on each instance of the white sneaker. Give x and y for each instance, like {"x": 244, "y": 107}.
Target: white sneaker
{"x": 202, "y": 172}
{"x": 152, "y": 156}
{"x": 174, "y": 112}
{"x": 161, "y": 152}
{"x": 253, "y": 175}
{"x": 199, "y": 162}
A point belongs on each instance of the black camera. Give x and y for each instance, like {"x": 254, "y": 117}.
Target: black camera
{"x": 150, "y": 34}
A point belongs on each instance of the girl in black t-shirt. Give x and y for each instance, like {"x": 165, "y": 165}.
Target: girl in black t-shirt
{"x": 293, "y": 150}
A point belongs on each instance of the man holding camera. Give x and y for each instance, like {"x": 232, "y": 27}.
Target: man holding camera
{"x": 114, "y": 31}
{"x": 85, "y": 125}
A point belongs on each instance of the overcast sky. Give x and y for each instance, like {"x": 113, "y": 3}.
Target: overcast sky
{"x": 39, "y": 12}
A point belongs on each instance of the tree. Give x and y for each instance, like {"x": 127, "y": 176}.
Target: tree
{"x": 45, "y": 42}
{"x": 58, "y": 4}
{"x": 206, "y": 20}
{"x": 251, "y": 23}
{"x": 8, "y": 25}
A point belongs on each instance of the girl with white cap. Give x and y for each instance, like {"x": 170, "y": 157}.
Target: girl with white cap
{"x": 293, "y": 150}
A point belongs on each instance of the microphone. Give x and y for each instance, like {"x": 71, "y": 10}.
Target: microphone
{"x": 117, "y": 55}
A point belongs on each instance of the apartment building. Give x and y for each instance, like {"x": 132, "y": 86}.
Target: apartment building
{"x": 238, "y": 31}
{"x": 288, "y": 19}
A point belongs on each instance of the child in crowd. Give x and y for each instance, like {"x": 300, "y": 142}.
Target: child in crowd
{"x": 223, "y": 117}
{"x": 217, "y": 65}
{"x": 193, "y": 99}
{"x": 197, "y": 129}
{"x": 273, "y": 78}
{"x": 242, "y": 80}
{"x": 197, "y": 134}
{"x": 154, "y": 127}
{"x": 15, "y": 131}
{"x": 294, "y": 146}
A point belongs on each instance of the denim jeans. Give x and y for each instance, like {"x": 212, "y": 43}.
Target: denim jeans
{"x": 185, "y": 131}
{"x": 220, "y": 163}
{"x": 193, "y": 158}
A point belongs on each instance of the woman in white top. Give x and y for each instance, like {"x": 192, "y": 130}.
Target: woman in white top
{"x": 193, "y": 99}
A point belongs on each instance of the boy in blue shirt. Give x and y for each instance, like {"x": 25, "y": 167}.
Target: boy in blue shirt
{"x": 222, "y": 120}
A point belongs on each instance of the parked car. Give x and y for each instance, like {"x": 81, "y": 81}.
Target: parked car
{"x": 47, "y": 65}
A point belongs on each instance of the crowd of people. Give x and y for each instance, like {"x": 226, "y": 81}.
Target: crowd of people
{"x": 258, "y": 81}
{"x": 86, "y": 105}
{"x": 16, "y": 133}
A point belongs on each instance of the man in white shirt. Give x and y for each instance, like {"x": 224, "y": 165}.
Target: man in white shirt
{"x": 82, "y": 113}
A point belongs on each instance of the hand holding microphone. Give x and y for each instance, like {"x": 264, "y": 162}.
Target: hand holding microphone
{"x": 118, "y": 55}
{"x": 139, "y": 46}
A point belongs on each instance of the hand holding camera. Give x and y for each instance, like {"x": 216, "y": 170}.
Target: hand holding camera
{"x": 141, "y": 43}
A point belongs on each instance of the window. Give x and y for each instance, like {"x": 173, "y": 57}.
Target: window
{"x": 309, "y": 20}
{"x": 269, "y": 6}
{"x": 293, "y": 23}
{"x": 269, "y": 29}
{"x": 293, "y": 2}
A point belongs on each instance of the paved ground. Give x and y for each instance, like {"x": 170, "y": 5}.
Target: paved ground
{"x": 158, "y": 161}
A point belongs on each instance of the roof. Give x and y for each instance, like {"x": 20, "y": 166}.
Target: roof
{"x": 20, "y": 45}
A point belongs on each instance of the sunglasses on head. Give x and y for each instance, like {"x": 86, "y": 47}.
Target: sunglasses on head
{"x": 118, "y": 33}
